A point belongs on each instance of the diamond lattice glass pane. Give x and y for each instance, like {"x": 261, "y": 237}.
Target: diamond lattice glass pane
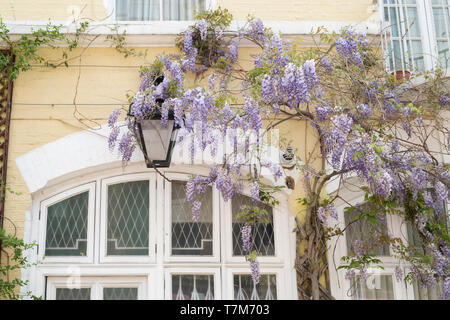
{"x": 245, "y": 289}
{"x": 128, "y": 218}
{"x": 120, "y": 293}
{"x": 73, "y": 294}
{"x": 66, "y": 233}
{"x": 192, "y": 287}
{"x": 376, "y": 287}
{"x": 189, "y": 237}
{"x": 263, "y": 235}
{"x": 362, "y": 230}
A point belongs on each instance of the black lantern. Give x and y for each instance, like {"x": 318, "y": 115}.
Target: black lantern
{"x": 157, "y": 141}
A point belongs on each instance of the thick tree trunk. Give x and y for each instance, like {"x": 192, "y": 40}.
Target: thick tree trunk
{"x": 310, "y": 259}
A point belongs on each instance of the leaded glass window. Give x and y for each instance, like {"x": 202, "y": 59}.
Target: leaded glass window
{"x": 66, "y": 233}
{"x": 245, "y": 289}
{"x": 128, "y": 218}
{"x": 368, "y": 235}
{"x": 73, "y": 294}
{"x": 120, "y": 293}
{"x": 376, "y": 287}
{"x": 189, "y": 237}
{"x": 263, "y": 235}
{"x": 192, "y": 287}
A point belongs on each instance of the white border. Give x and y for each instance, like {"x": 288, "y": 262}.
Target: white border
{"x": 194, "y": 271}
{"x": 168, "y": 220}
{"x": 280, "y": 225}
{"x": 150, "y": 177}
{"x": 280, "y": 273}
{"x": 90, "y": 188}
{"x": 97, "y": 284}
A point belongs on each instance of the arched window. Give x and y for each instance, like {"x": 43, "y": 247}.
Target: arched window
{"x": 131, "y": 236}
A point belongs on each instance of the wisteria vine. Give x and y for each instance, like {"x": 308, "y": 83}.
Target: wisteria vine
{"x": 370, "y": 127}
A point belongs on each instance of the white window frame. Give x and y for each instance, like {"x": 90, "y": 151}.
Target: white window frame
{"x": 89, "y": 257}
{"x": 427, "y": 33}
{"x": 151, "y": 258}
{"x": 280, "y": 220}
{"x": 168, "y": 223}
{"x": 339, "y": 285}
{"x": 214, "y": 271}
{"x": 280, "y": 273}
{"x": 155, "y": 267}
{"x": 110, "y": 6}
{"x": 97, "y": 284}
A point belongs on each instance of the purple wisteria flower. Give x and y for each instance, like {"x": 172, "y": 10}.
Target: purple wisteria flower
{"x": 254, "y": 192}
{"x": 398, "y": 273}
{"x": 113, "y": 137}
{"x": 363, "y": 274}
{"x": 126, "y": 147}
{"x": 322, "y": 216}
{"x": 323, "y": 112}
{"x": 326, "y": 64}
{"x": 246, "y": 232}
{"x": 349, "y": 274}
{"x": 256, "y": 30}
{"x": 113, "y": 118}
{"x": 196, "y": 210}
{"x": 332, "y": 211}
{"x": 212, "y": 81}
{"x": 364, "y": 110}
{"x": 441, "y": 191}
{"x": 446, "y": 289}
{"x": 256, "y": 274}
{"x": 232, "y": 54}
{"x": 444, "y": 100}
{"x": 202, "y": 27}
{"x": 358, "y": 248}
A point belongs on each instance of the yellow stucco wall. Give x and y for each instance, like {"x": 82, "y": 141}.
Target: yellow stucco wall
{"x": 279, "y": 10}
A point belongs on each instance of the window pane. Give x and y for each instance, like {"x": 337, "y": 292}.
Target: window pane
{"x": 192, "y": 287}
{"x": 441, "y": 22}
{"x": 73, "y": 294}
{"x": 414, "y": 236}
{"x": 404, "y": 45}
{"x": 67, "y": 227}
{"x": 417, "y": 54}
{"x": 120, "y": 293}
{"x": 245, "y": 289}
{"x": 137, "y": 10}
{"x": 263, "y": 235}
{"x": 376, "y": 287}
{"x": 189, "y": 237}
{"x": 182, "y": 9}
{"x": 443, "y": 51}
{"x": 412, "y": 22}
{"x": 432, "y": 293}
{"x": 128, "y": 218}
{"x": 364, "y": 231}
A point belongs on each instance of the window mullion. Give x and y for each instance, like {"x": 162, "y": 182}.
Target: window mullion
{"x": 427, "y": 33}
